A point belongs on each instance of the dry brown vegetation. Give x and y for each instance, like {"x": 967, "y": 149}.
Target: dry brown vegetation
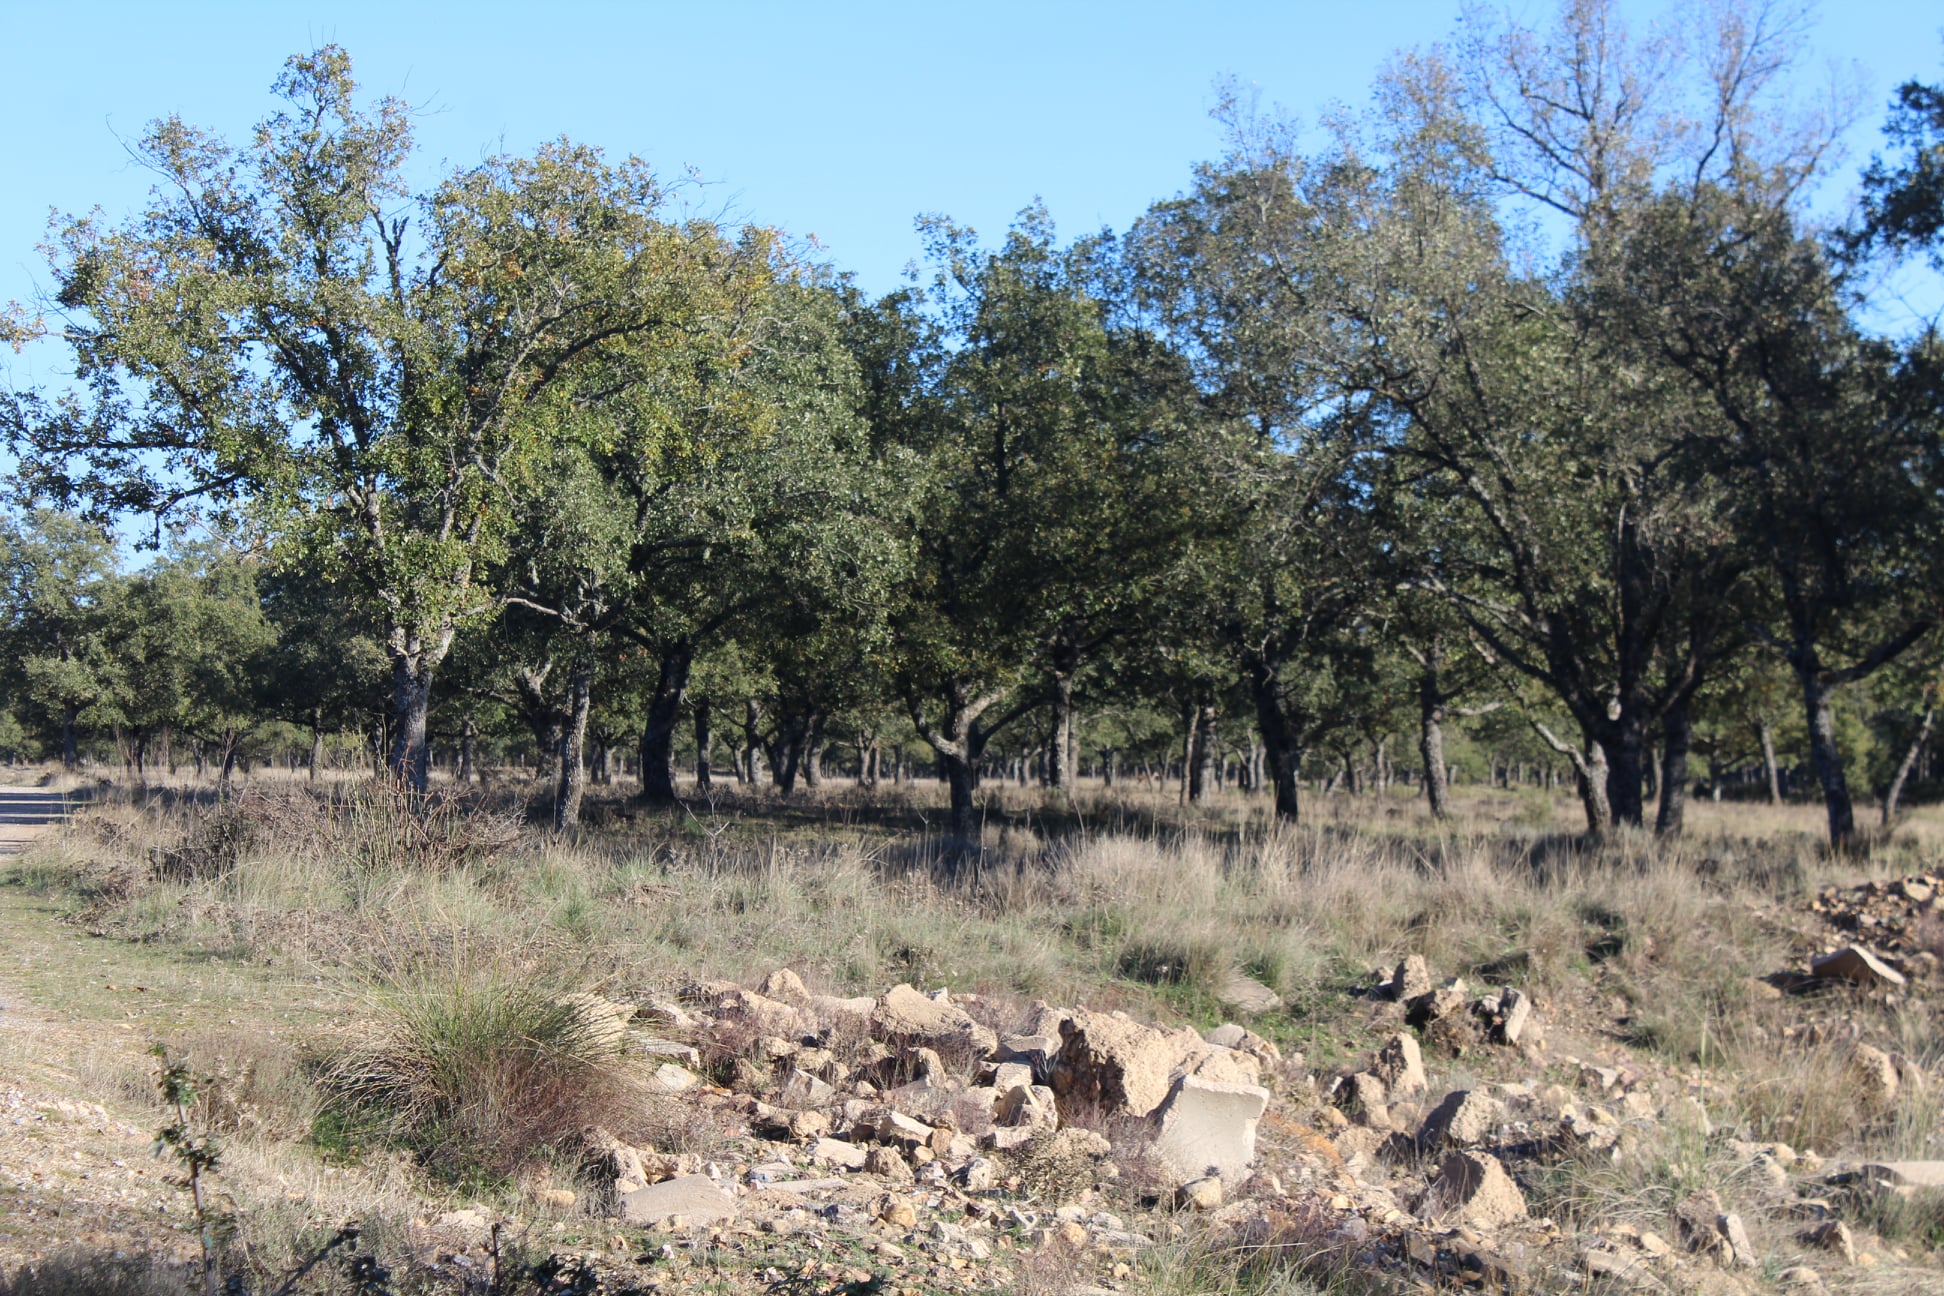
{"x": 433, "y": 1055}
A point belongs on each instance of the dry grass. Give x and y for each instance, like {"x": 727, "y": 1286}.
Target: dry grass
{"x": 1125, "y": 902}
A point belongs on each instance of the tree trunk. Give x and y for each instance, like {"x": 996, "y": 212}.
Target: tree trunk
{"x": 704, "y": 739}
{"x": 1060, "y": 768}
{"x": 1431, "y": 715}
{"x": 1909, "y": 762}
{"x": 1675, "y": 741}
{"x": 1592, "y": 779}
{"x": 1201, "y": 753}
{"x": 573, "y": 743}
{"x": 316, "y": 746}
{"x": 1769, "y": 767}
{"x": 813, "y": 747}
{"x": 411, "y": 701}
{"x": 1825, "y": 757}
{"x": 70, "y": 741}
{"x": 1624, "y": 750}
{"x": 1281, "y": 743}
{"x": 658, "y": 730}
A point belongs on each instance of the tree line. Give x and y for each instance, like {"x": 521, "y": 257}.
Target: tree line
{"x": 1530, "y": 403}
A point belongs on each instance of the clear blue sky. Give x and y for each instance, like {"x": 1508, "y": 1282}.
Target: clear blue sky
{"x": 840, "y": 119}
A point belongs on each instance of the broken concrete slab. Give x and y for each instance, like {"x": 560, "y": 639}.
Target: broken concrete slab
{"x": 1209, "y": 1127}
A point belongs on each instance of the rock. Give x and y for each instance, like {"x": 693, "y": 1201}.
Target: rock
{"x": 1245, "y": 994}
{"x": 1111, "y": 1064}
{"x": 761, "y": 1013}
{"x": 670, "y": 1078}
{"x": 1628, "y": 1269}
{"x": 1475, "y": 1187}
{"x": 469, "y": 1219}
{"x": 896, "y": 1211}
{"x": 904, "y": 1016}
{"x": 886, "y": 1164}
{"x": 1207, "y": 1125}
{"x": 1465, "y": 1117}
{"x": 1801, "y": 1276}
{"x": 977, "y": 1175}
{"x": 1203, "y": 1194}
{"x": 1904, "y": 1174}
{"x": 804, "y": 1090}
{"x": 554, "y": 1198}
{"x": 1854, "y": 963}
{"x": 1228, "y": 1035}
{"x": 1732, "y": 1231}
{"x": 1832, "y": 1235}
{"x": 785, "y": 986}
{"x": 1873, "y": 1076}
{"x": 1027, "y": 1106}
{"x": 854, "y": 1014}
{"x": 1694, "y": 1222}
{"x": 835, "y": 1152}
{"x": 1368, "y": 1094}
{"x": 687, "y": 1200}
{"x": 809, "y": 1125}
{"x": 1009, "y": 1075}
{"x": 1400, "y": 1066}
{"x": 673, "y": 1050}
{"x": 896, "y": 1127}
{"x": 1411, "y": 979}
{"x": 1515, "y": 1013}
{"x": 1433, "y": 1005}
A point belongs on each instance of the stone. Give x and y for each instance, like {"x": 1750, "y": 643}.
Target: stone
{"x": 808, "y": 1124}
{"x": 673, "y": 1050}
{"x": 1474, "y": 1187}
{"x": 1732, "y": 1231}
{"x": 1029, "y": 1106}
{"x": 1116, "y": 1066}
{"x": 1228, "y": 1035}
{"x": 979, "y": 1174}
{"x": 1209, "y": 1126}
{"x": 1905, "y": 1174}
{"x": 785, "y": 986}
{"x": 554, "y": 1198}
{"x": 1008, "y": 1075}
{"x": 1854, "y": 963}
{"x": 1411, "y": 979}
{"x": 1801, "y": 1276}
{"x": 764, "y": 1014}
{"x": 905, "y": 1016}
{"x": 1433, "y": 1006}
{"x": 836, "y": 1152}
{"x": 1873, "y": 1076}
{"x": 671, "y": 1078}
{"x": 1515, "y": 1013}
{"x": 1400, "y": 1065}
{"x": 1368, "y": 1096}
{"x": 896, "y": 1211}
{"x": 1203, "y": 1194}
{"x": 690, "y": 1199}
{"x": 1832, "y": 1235}
{"x": 804, "y": 1090}
{"x": 896, "y": 1127}
{"x": 852, "y": 1013}
{"x": 1245, "y": 994}
{"x": 886, "y": 1164}
{"x": 1465, "y": 1117}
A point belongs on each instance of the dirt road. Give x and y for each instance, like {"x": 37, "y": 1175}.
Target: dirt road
{"x": 25, "y": 813}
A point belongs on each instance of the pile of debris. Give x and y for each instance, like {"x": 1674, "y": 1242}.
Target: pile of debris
{"x": 948, "y": 1143}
